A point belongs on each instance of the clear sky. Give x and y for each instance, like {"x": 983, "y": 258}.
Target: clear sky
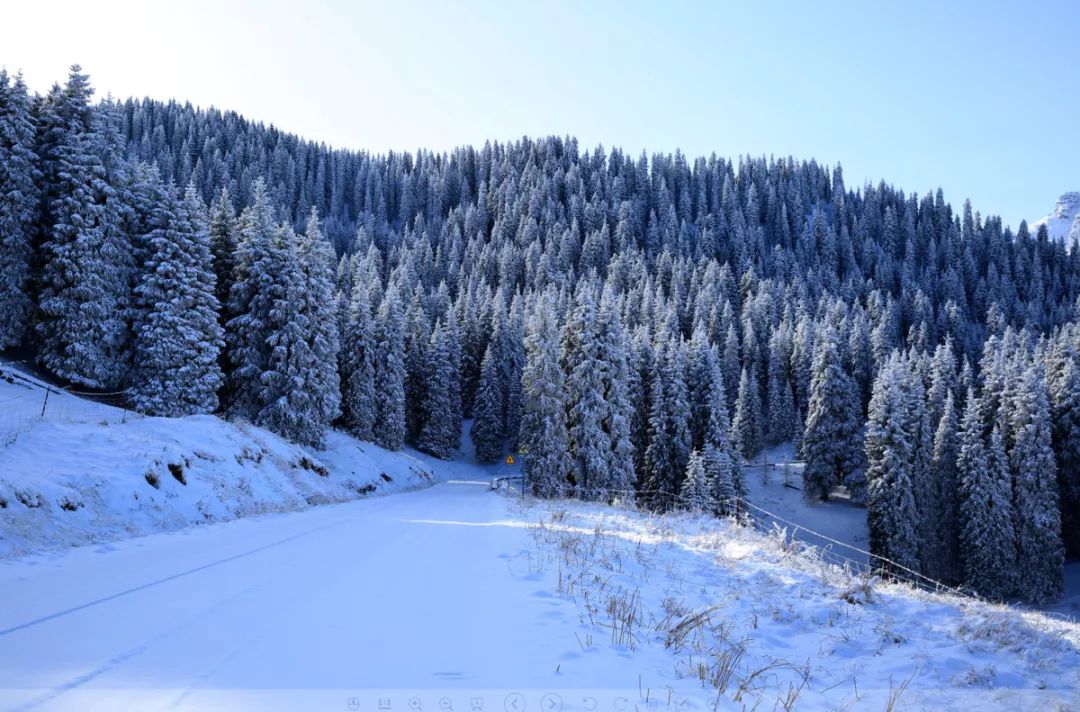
{"x": 981, "y": 98}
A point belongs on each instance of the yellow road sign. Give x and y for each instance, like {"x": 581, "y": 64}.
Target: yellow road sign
{"x": 509, "y": 459}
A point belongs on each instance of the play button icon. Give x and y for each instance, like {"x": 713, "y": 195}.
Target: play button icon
{"x": 514, "y": 702}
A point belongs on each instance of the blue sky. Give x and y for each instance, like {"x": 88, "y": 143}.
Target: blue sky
{"x": 981, "y": 98}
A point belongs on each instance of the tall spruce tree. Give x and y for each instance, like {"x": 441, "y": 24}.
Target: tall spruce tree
{"x": 440, "y": 435}
{"x": 489, "y": 409}
{"x": 890, "y": 452}
{"x": 544, "y": 438}
{"x": 746, "y": 426}
{"x": 389, "y": 428}
{"x": 358, "y": 399}
{"x": 177, "y": 337}
{"x": 84, "y": 302}
{"x": 255, "y": 290}
{"x": 987, "y": 537}
{"x": 831, "y": 441}
{"x": 19, "y": 194}
{"x": 1040, "y": 554}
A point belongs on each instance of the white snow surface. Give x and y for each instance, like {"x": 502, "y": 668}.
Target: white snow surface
{"x": 444, "y": 597}
{"x": 89, "y": 473}
{"x": 455, "y": 591}
{"x": 1063, "y": 224}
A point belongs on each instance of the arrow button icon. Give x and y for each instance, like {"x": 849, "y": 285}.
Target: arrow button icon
{"x": 551, "y": 703}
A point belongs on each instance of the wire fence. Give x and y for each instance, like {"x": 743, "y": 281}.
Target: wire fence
{"x": 827, "y": 548}
{"x": 27, "y": 402}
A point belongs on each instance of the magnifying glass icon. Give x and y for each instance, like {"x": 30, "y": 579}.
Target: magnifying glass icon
{"x": 446, "y": 704}
{"x": 415, "y": 704}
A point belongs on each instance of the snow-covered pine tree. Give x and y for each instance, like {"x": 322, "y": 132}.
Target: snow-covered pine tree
{"x": 389, "y": 428}
{"x": 616, "y": 479}
{"x": 722, "y": 480}
{"x": 19, "y": 176}
{"x": 285, "y": 395}
{"x": 84, "y": 302}
{"x": 1065, "y": 415}
{"x": 917, "y": 422}
{"x": 177, "y": 337}
{"x": 514, "y": 363}
{"x": 544, "y": 439}
{"x": 746, "y": 426}
{"x": 670, "y": 437}
{"x": 358, "y": 399}
{"x": 891, "y": 511}
{"x": 320, "y": 309}
{"x": 944, "y": 548}
{"x": 489, "y": 409}
{"x": 224, "y": 240}
{"x": 440, "y": 435}
{"x": 987, "y": 536}
{"x": 417, "y": 340}
{"x": 695, "y": 496}
{"x": 453, "y": 347}
{"x": 1040, "y": 554}
{"x": 831, "y": 441}
{"x": 253, "y": 295}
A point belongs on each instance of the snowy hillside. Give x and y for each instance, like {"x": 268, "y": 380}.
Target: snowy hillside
{"x": 87, "y": 472}
{"x": 1063, "y": 223}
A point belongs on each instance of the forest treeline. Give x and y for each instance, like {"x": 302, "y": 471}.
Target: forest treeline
{"x": 634, "y": 327}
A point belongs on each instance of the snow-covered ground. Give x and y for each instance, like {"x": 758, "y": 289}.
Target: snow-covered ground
{"x": 457, "y": 592}
{"x": 774, "y": 483}
{"x": 449, "y": 596}
{"x": 89, "y": 473}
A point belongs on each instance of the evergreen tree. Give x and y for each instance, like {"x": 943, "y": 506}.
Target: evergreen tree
{"x": 19, "y": 195}
{"x": 669, "y": 429}
{"x": 319, "y": 309}
{"x": 1040, "y": 554}
{"x": 987, "y": 537}
{"x": 88, "y": 263}
{"x": 695, "y": 495}
{"x": 440, "y": 435}
{"x": 830, "y": 442}
{"x": 723, "y": 480}
{"x": 746, "y": 427}
{"x": 1065, "y": 414}
{"x": 489, "y": 410}
{"x": 944, "y": 548}
{"x": 177, "y": 337}
{"x": 224, "y": 241}
{"x": 389, "y": 427}
{"x": 256, "y": 288}
{"x": 544, "y": 438}
{"x": 359, "y": 404}
{"x": 890, "y": 454}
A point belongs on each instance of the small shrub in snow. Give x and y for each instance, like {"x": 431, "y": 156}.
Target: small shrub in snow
{"x": 861, "y": 589}
{"x": 309, "y": 464}
{"x": 152, "y": 479}
{"x": 70, "y": 504}
{"x": 31, "y": 500}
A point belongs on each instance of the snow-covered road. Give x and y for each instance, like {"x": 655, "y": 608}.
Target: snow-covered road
{"x": 422, "y": 591}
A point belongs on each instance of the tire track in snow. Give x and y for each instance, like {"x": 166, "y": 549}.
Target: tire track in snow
{"x": 167, "y": 579}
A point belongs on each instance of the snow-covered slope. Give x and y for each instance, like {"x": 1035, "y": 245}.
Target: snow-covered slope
{"x": 87, "y": 472}
{"x": 1063, "y": 223}
{"x": 457, "y": 592}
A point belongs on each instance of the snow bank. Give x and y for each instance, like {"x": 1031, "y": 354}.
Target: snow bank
{"x": 770, "y": 625}
{"x": 87, "y": 472}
